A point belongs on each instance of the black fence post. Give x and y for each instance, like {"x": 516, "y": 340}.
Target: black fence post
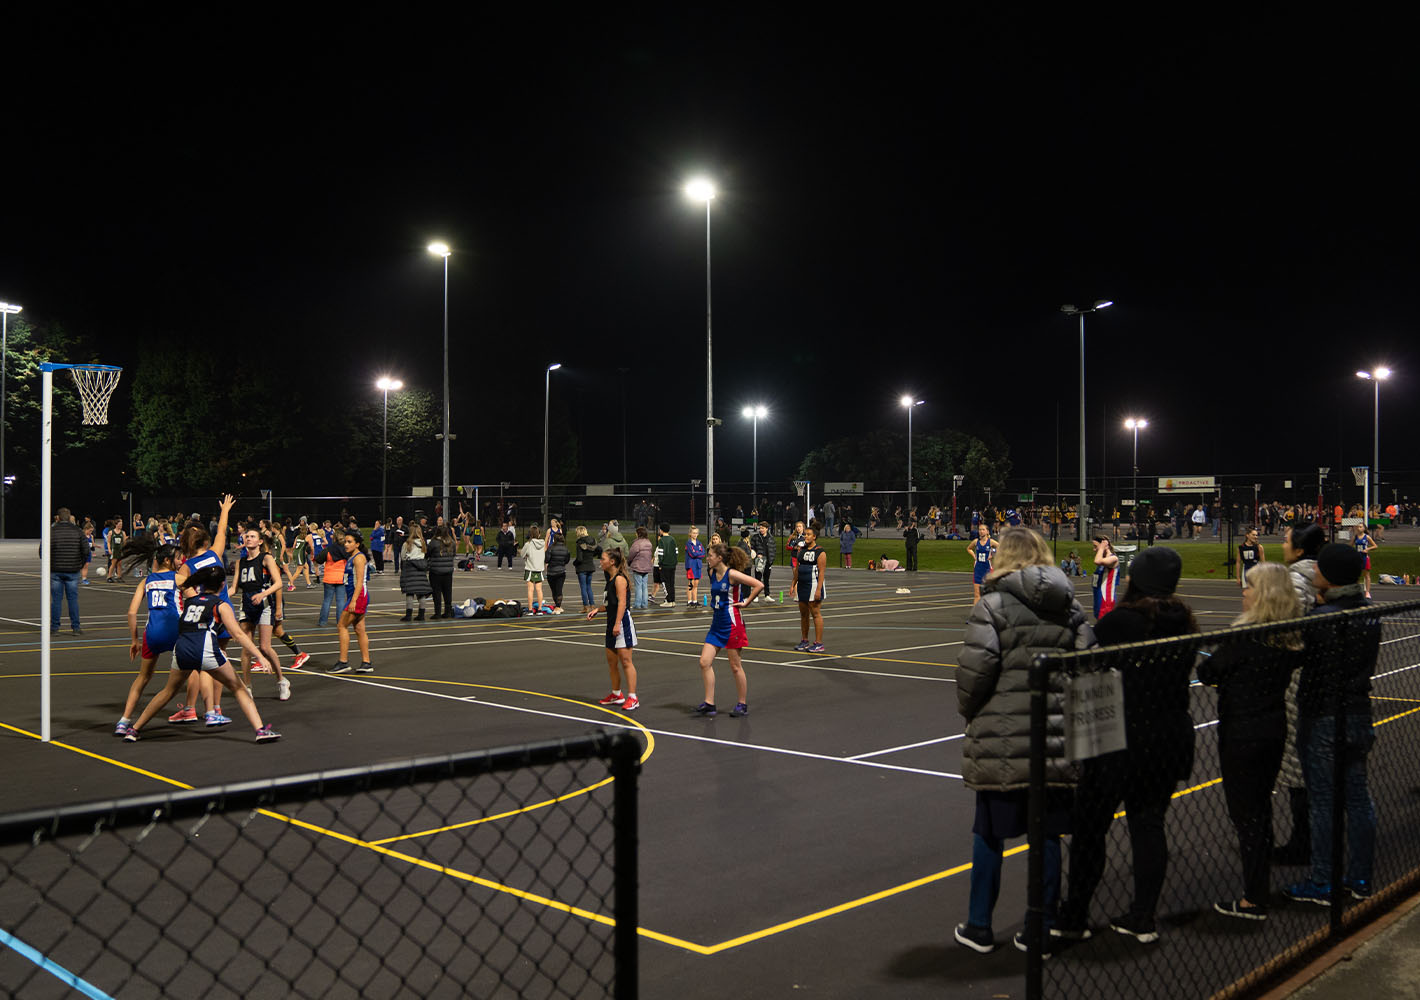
{"x": 625, "y": 766}
{"x": 1035, "y": 832}
{"x": 1338, "y": 796}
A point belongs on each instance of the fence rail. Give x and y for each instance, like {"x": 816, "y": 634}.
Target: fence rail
{"x": 1346, "y": 803}
{"x": 505, "y": 872}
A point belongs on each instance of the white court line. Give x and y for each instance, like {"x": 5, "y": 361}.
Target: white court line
{"x": 908, "y": 746}
{"x": 905, "y": 649}
{"x": 658, "y": 732}
{"x": 765, "y": 663}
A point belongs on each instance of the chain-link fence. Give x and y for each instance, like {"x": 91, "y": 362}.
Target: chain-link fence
{"x": 502, "y": 873}
{"x": 1227, "y": 737}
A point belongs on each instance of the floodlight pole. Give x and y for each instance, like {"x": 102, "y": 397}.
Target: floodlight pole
{"x": 46, "y": 486}
{"x": 1083, "y": 514}
{"x": 6, "y": 310}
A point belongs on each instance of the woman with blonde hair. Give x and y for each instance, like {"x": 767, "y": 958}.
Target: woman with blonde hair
{"x": 1027, "y": 608}
{"x": 1251, "y": 674}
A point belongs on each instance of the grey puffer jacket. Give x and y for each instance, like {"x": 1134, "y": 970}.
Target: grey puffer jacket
{"x": 1020, "y": 616}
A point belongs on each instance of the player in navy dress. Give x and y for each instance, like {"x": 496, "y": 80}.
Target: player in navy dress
{"x": 981, "y": 551}
{"x": 620, "y": 631}
{"x": 203, "y": 613}
{"x": 158, "y": 593}
{"x": 259, "y": 580}
{"x": 200, "y": 550}
{"x": 1364, "y": 544}
{"x": 726, "y": 569}
{"x": 811, "y": 570}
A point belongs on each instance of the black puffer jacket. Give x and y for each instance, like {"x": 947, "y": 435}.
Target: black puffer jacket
{"x": 557, "y": 555}
{"x": 1020, "y": 616}
{"x": 1158, "y": 726}
{"x": 414, "y": 573}
{"x": 441, "y": 555}
{"x": 588, "y": 552}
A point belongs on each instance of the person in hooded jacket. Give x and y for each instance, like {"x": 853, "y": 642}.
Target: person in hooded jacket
{"x": 1159, "y": 734}
{"x": 534, "y": 555}
{"x": 1301, "y": 544}
{"x": 1028, "y": 608}
{"x": 585, "y": 563}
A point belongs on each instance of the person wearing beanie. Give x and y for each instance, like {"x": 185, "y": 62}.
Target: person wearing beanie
{"x": 1301, "y": 544}
{"x": 1159, "y": 752}
{"x": 1336, "y": 677}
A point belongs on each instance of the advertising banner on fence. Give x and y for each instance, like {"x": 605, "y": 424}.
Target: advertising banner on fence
{"x": 1187, "y": 484}
{"x": 840, "y": 489}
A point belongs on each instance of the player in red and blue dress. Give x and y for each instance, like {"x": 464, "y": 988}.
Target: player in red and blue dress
{"x": 197, "y": 648}
{"x": 357, "y": 600}
{"x": 620, "y": 631}
{"x": 811, "y": 572}
{"x": 726, "y": 568}
{"x": 159, "y": 594}
{"x": 981, "y": 552}
{"x": 694, "y": 560}
{"x": 1106, "y": 580}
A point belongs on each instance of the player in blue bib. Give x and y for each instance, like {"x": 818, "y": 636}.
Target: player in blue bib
{"x": 158, "y": 593}
{"x": 981, "y": 552}
{"x": 1364, "y": 544}
{"x": 202, "y": 551}
{"x": 197, "y": 649}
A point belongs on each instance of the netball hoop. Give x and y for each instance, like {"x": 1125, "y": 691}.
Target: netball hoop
{"x": 95, "y": 384}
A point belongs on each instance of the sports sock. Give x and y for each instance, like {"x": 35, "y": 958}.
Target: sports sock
{"x": 290, "y": 643}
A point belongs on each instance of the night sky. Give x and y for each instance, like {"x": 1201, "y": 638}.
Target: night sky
{"x": 906, "y": 201}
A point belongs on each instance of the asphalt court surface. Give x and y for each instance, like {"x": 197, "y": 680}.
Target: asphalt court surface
{"x": 822, "y": 843}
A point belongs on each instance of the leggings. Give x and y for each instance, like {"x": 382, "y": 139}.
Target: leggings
{"x": 443, "y": 584}
{"x": 555, "y": 583}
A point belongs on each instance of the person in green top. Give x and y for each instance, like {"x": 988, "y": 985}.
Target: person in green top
{"x": 667, "y": 556}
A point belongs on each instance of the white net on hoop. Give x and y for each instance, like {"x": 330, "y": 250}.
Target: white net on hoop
{"x": 96, "y": 385}
{"x": 1360, "y": 473}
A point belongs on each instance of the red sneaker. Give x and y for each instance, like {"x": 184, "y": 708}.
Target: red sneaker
{"x": 631, "y": 704}
{"x": 300, "y": 661}
{"x": 612, "y": 699}
{"x": 184, "y": 713}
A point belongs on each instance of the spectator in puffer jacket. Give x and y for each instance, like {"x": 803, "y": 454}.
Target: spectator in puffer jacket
{"x": 441, "y": 555}
{"x": 1027, "y": 608}
{"x": 68, "y": 551}
{"x": 557, "y": 559}
{"x": 414, "y": 573}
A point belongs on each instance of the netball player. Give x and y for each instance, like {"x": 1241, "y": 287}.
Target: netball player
{"x": 259, "y": 580}
{"x": 726, "y": 568}
{"x": 200, "y": 550}
{"x": 1106, "y": 580}
{"x": 1250, "y": 556}
{"x": 620, "y": 631}
{"x": 158, "y": 592}
{"x": 694, "y": 562}
{"x": 203, "y": 614}
{"x": 812, "y": 568}
{"x": 300, "y": 560}
{"x": 357, "y": 599}
{"x": 981, "y": 552}
{"x": 1364, "y": 544}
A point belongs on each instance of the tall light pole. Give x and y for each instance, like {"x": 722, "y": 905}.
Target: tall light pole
{"x": 702, "y": 190}
{"x": 1377, "y": 376}
{"x": 1083, "y": 515}
{"x": 386, "y": 385}
{"x": 910, "y": 404}
{"x": 546, "y": 400}
{"x": 755, "y": 413}
{"x": 442, "y": 250}
{"x": 1136, "y": 425}
{"x": 7, "y": 309}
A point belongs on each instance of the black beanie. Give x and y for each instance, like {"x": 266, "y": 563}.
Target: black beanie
{"x": 1155, "y": 571}
{"x": 1340, "y": 564}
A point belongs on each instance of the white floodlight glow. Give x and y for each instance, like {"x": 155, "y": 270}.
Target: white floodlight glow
{"x": 1382, "y": 372}
{"x": 700, "y": 189}
{"x": 554, "y": 366}
{"x": 439, "y": 249}
{"x": 1104, "y": 303}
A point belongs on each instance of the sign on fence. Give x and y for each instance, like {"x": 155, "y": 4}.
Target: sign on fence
{"x": 840, "y": 489}
{"x": 1187, "y": 484}
{"x": 1094, "y": 714}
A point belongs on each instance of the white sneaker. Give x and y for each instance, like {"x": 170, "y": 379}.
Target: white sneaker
{"x": 283, "y": 690}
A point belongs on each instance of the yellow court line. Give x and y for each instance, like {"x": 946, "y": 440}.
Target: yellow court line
{"x": 1392, "y": 718}
{"x": 1378, "y": 697}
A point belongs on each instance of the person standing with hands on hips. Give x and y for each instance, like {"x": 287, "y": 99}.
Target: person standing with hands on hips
{"x": 980, "y": 552}
{"x": 726, "y": 569}
{"x": 620, "y": 631}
